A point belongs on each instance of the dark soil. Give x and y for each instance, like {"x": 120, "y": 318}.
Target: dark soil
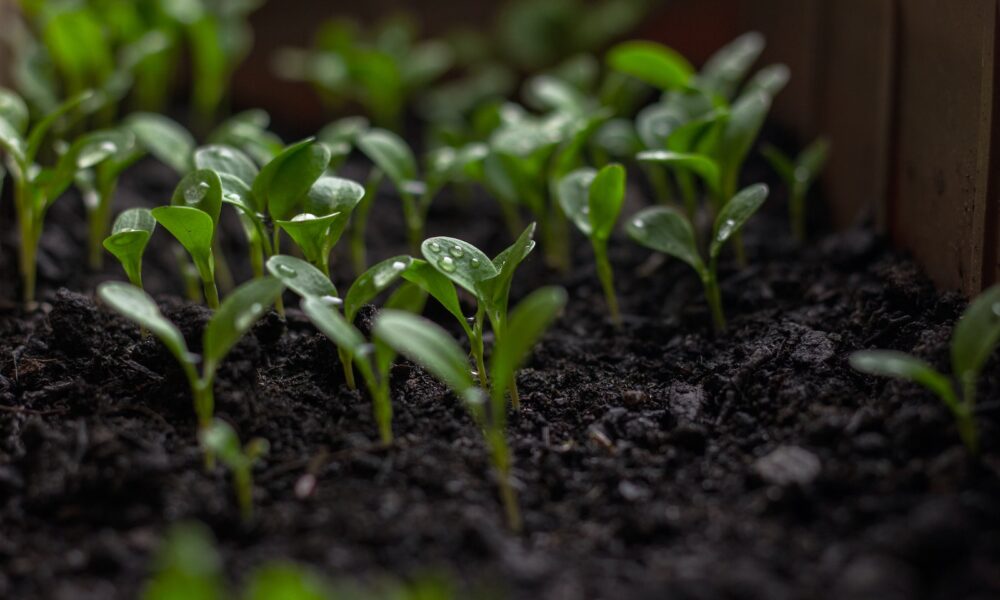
{"x": 655, "y": 461}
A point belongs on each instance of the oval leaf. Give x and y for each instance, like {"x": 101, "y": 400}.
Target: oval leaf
{"x": 328, "y": 320}
{"x": 303, "y": 278}
{"x": 735, "y": 214}
{"x": 438, "y": 286}
{"x": 390, "y": 154}
{"x": 898, "y": 365}
{"x": 459, "y": 261}
{"x": 236, "y": 316}
{"x": 373, "y": 282}
{"x": 976, "y": 334}
{"x": 201, "y": 189}
{"x": 728, "y": 67}
{"x": 706, "y": 168}
{"x": 131, "y": 233}
{"x": 651, "y": 63}
{"x": 14, "y": 110}
{"x": 667, "y": 230}
{"x": 528, "y": 322}
{"x": 607, "y": 195}
{"x": 574, "y": 198}
{"x": 283, "y": 183}
{"x": 226, "y": 160}
{"x": 193, "y": 229}
{"x": 311, "y": 234}
{"x": 164, "y": 138}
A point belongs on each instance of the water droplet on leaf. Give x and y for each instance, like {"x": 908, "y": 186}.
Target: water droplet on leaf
{"x": 447, "y": 264}
{"x": 457, "y": 251}
{"x": 434, "y": 247}
{"x": 287, "y": 271}
{"x": 332, "y": 301}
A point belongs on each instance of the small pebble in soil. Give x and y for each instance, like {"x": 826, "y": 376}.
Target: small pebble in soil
{"x": 788, "y": 465}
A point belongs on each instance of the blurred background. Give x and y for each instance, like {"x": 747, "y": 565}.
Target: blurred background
{"x": 904, "y": 89}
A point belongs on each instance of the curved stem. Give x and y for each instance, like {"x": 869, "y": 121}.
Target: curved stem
{"x": 606, "y": 275}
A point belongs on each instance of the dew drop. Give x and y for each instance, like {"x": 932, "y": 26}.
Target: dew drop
{"x": 398, "y": 265}
{"x": 457, "y": 251}
{"x": 304, "y": 217}
{"x": 434, "y": 247}
{"x": 247, "y": 317}
{"x": 585, "y": 210}
{"x": 475, "y": 263}
{"x": 332, "y": 301}
{"x": 447, "y": 264}
{"x": 638, "y": 224}
{"x": 287, "y": 271}
{"x": 196, "y": 193}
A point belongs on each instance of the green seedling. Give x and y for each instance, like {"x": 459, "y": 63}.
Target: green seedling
{"x": 593, "y": 201}
{"x": 727, "y": 68}
{"x": 192, "y": 218}
{"x": 799, "y": 174}
{"x": 393, "y": 157}
{"x": 131, "y": 233}
{"x": 487, "y": 280}
{"x": 247, "y": 131}
{"x": 430, "y": 346}
{"x": 340, "y": 137}
{"x": 975, "y": 338}
{"x": 37, "y": 187}
{"x": 327, "y": 212}
{"x": 220, "y": 440}
{"x": 235, "y": 317}
{"x": 667, "y": 230}
{"x": 187, "y": 566}
{"x": 321, "y": 304}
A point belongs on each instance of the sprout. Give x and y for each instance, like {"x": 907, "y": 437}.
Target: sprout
{"x": 667, "y": 230}
{"x": 726, "y": 69}
{"x": 235, "y": 317}
{"x": 487, "y": 280}
{"x": 428, "y": 345}
{"x": 131, "y": 233}
{"x": 393, "y": 157}
{"x": 321, "y": 304}
{"x": 593, "y": 200}
{"x": 193, "y": 219}
{"x": 975, "y": 338}
{"x": 36, "y": 187}
{"x": 799, "y": 175}
{"x": 220, "y": 440}
{"x": 327, "y": 211}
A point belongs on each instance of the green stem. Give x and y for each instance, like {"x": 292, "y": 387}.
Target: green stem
{"x": 606, "y": 275}
{"x": 501, "y": 461}
{"x": 714, "y": 296}
{"x": 29, "y": 246}
{"x": 478, "y": 350}
{"x": 99, "y": 225}
{"x": 279, "y": 304}
{"x": 414, "y": 224}
{"x": 348, "y": 364}
{"x": 359, "y": 223}
{"x": 243, "y": 482}
{"x": 222, "y": 271}
{"x": 211, "y": 292}
{"x": 658, "y": 180}
{"x": 382, "y": 409}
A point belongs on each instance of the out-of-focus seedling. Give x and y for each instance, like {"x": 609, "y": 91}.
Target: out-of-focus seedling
{"x": 128, "y": 240}
{"x": 235, "y": 317}
{"x": 799, "y": 174}
{"x": 220, "y": 440}
{"x": 593, "y": 201}
{"x": 667, "y": 230}
{"x": 975, "y": 338}
{"x": 430, "y": 346}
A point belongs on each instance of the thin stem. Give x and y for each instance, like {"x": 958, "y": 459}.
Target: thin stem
{"x": 211, "y": 292}
{"x": 222, "y": 271}
{"x": 606, "y": 275}
{"x": 243, "y": 482}
{"x": 279, "y": 304}
{"x": 99, "y": 224}
{"x": 348, "y": 364}
{"x": 476, "y": 345}
{"x": 501, "y": 461}
{"x": 359, "y": 223}
{"x": 414, "y": 224}
{"x": 714, "y": 296}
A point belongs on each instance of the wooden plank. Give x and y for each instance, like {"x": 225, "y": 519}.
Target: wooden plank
{"x": 855, "y": 106}
{"x": 939, "y": 202}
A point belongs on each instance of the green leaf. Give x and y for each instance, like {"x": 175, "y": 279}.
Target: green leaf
{"x": 222, "y": 441}
{"x": 14, "y": 110}
{"x": 236, "y": 316}
{"x": 574, "y": 198}
{"x": 769, "y": 80}
{"x": 655, "y": 123}
{"x": 303, "y": 278}
{"x": 87, "y": 152}
{"x": 193, "y": 229}
{"x": 495, "y": 292}
{"x": 137, "y": 306}
{"x": 667, "y": 230}
{"x": 618, "y": 138}
{"x": 390, "y": 154}
{"x": 187, "y": 567}
{"x": 12, "y": 143}
{"x": 651, "y": 63}
{"x": 331, "y": 195}
{"x": 164, "y": 138}
{"x": 745, "y": 121}
{"x": 373, "y": 282}
{"x": 728, "y": 67}
{"x": 128, "y": 240}
{"x": 311, "y": 234}
{"x": 735, "y": 214}
{"x": 552, "y": 94}
{"x": 248, "y": 132}
{"x": 429, "y": 346}
{"x": 328, "y": 320}
{"x": 200, "y": 189}
{"x": 706, "y": 168}
{"x": 438, "y": 286}
{"x": 607, "y": 195}
{"x": 699, "y": 135}
{"x": 528, "y": 322}
{"x": 898, "y": 365}
{"x": 226, "y": 160}
{"x": 812, "y": 160}
{"x": 976, "y": 335}
{"x": 459, "y": 261}
{"x": 781, "y": 163}
{"x": 86, "y": 101}
{"x": 284, "y": 183}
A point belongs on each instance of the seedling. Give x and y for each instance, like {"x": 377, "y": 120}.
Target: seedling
{"x": 667, "y": 230}
{"x": 393, "y": 157}
{"x": 327, "y": 211}
{"x": 36, "y": 188}
{"x": 321, "y": 303}
{"x": 247, "y": 131}
{"x": 975, "y": 338}
{"x": 235, "y": 317}
{"x": 593, "y": 201}
{"x": 193, "y": 219}
{"x": 799, "y": 174}
{"x": 430, "y": 346}
{"x": 652, "y": 63}
{"x": 128, "y": 241}
{"x": 220, "y": 440}
{"x": 487, "y": 280}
